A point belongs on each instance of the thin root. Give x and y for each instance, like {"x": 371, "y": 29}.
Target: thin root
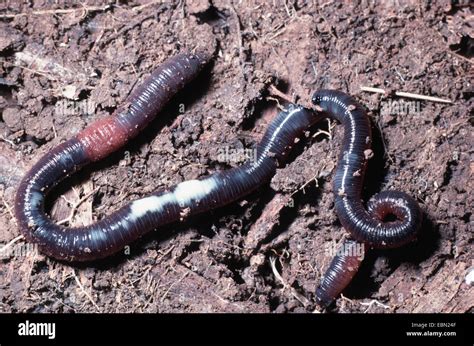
{"x": 293, "y": 292}
{"x": 372, "y": 303}
{"x": 274, "y": 91}
{"x": 73, "y": 272}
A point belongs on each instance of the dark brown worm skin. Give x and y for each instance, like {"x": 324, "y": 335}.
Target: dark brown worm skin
{"x": 111, "y": 234}
{"x": 92, "y": 144}
{"x": 365, "y": 226}
{"x": 340, "y": 272}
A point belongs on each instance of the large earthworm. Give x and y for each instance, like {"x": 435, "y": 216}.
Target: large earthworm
{"x": 102, "y": 137}
{"x": 371, "y": 228}
{"x": 125, "y": 225}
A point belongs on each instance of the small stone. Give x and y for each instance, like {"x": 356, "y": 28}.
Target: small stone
{"x": 470, "y": 277}
{"x": 11, "y": 118}
{"x": 69, "y": 92}
{"x": 257, "y": 260}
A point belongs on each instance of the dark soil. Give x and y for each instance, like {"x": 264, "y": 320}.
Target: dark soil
{"x": 222, "y": 261}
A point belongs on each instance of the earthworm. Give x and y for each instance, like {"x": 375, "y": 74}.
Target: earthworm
{"x": 111, "y": 234}
{"x": 341, "y": 271}
{"x": 371, "y": 228}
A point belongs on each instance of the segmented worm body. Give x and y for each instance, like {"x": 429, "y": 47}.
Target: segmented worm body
{"x": 115, "y": 231}
{"x": 111, "y": 234}
{"x": 340, "y": 272}
{"x": 368, "y": 227}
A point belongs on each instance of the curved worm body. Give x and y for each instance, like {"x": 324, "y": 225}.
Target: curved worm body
{"x": 368, "y": 227}
{"x": 112, "y": 233}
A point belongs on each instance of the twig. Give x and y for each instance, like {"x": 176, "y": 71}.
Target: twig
{"x": 405, "y": 94}
{"x": 141, "y": 7}
{"x": 84, "y": 291}
{"x": 85, "y": 9}
{"x": 293, "y": 292}
{"x": 163, "y": 254}
{"x": 124, "y": 29}
{"x": 171, "y": 286}
{"x": 278, "y": 33}
{"x": 239, "y": 32}
{"x": 344, "y": 299}
{"x": 9, "y": 209}
{"x": 314, "y": 68}
{"x": 302, "y": 188}
{"x": 240, "y": 40}
{"x": 372, "y": 303}
{"x": 37, "y": 72}
{"x": 459, "y": 56}
{"x": 280, "y": 94}
{"x": 278, "y": 104}
{"x": 252, "y": 29}
{"x": 7, "y": 141}
{"x": 322, "y": 132}
{"x": 327, "y": 133}
{"x": 274, "y": 91}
